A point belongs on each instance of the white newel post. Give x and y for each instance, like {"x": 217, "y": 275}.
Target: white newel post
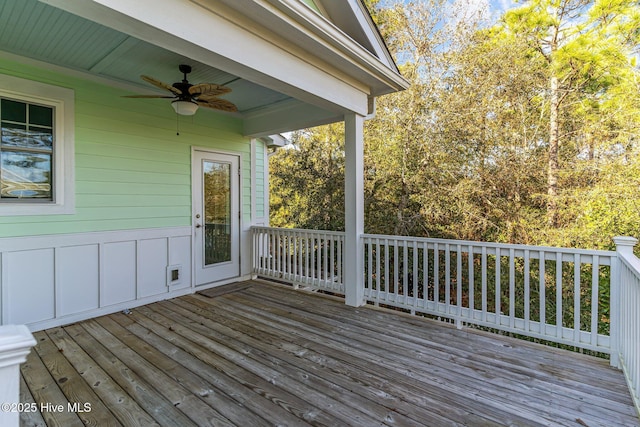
{"x": 354, "y": 209}
{"x": 15, "y": 343}
{"x": 624, "y": 248}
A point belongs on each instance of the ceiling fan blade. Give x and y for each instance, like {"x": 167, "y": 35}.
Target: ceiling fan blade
{"x": 161, "y": 85}
{"x": 211, "y": 89}
{"x": 148, "y": 96}
{"x": 218, "y": 104}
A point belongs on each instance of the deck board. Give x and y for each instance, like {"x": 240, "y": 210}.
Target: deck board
{"x": 265, "y": 354}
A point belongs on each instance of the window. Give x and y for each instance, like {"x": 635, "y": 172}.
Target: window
{"x": 26, "y": 151}
{"x": 36, "y": 148}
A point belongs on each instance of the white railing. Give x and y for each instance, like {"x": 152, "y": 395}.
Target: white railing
{"x": 586, "y": 299}
{"x": 15, "y": 343}
{"x": 309, "y": 257}
{"x": 555, "y": 294}
{"x": 628, "y": 314}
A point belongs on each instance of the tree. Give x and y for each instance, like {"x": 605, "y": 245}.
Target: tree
{"x": 522, "y": 132}
{"x": 586, "y": 46}
{"x": 307, "y": 180}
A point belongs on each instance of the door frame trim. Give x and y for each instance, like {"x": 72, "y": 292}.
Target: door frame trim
{"x": 240, "y": 156}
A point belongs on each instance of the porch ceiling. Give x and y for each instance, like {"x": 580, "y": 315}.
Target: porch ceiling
{"x": 31, "y": 29}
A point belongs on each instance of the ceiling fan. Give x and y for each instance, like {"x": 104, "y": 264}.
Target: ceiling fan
{"x": 187, "y": 97}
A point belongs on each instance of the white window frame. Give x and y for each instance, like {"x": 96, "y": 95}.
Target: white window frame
{"x": 62, "y": 100}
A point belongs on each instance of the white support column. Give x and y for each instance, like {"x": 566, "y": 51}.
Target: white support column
{"x": 15, "y": 344}
{"x": 354, "y": 209}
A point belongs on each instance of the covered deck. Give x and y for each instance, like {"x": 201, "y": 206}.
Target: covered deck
{"x": 258, "y": 353}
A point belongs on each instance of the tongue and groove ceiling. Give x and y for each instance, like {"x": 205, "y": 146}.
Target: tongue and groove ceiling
{"x": 35, "y": 30}
{"x": 346, "y": 40}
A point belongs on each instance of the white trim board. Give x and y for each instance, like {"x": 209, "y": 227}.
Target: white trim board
{"x": 62, "y": 101}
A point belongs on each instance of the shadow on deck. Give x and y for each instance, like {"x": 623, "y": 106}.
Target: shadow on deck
{"x": 268, "y": 355}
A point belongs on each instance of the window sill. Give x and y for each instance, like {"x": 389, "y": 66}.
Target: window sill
{"x": 35, "y": 209}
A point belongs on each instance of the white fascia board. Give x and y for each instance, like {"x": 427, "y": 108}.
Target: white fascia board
{"x": 286, "y": 116}
{"x": 298, "y": 23}
{"x": 384, "y": 70}
{"x": 366, "y": 22}
{"x": 218, "y": 37}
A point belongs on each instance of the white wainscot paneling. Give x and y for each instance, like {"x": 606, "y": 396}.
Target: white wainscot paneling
{"x": 118, "y": 267}
{"x": 78, "y": 280}
{"x": 152, "y": 265}
{"x": 29, "y": 293}
{"x": 180, "y": 254}
{"x": 47, "y": 281}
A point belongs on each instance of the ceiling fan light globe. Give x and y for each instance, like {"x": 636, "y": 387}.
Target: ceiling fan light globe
{"x": 185, "y": 108}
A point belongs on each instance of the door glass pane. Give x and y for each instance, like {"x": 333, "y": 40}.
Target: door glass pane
{"x": 217, "y": 212}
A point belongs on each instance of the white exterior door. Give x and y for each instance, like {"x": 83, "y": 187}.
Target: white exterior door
{"x": 216, "y": 216}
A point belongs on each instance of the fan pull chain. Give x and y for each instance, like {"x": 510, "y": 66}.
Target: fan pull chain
{"x": 177, "y": 124}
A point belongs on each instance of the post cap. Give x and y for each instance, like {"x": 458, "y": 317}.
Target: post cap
{"x": 625, "y": 241}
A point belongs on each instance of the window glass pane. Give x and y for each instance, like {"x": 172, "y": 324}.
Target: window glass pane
{"x": 39, "y": 115}
{"x": 25, "y": 175}
{"x": 18, "y": 136}
{"x": 12, "y": 132}
{"x": 13, "y": 110}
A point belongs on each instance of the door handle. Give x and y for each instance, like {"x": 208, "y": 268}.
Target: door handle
{"x": 198, "y": 225}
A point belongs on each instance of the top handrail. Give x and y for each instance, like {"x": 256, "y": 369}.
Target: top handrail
{"x": 516, "y": 246}
{"x": 298, "y": 230}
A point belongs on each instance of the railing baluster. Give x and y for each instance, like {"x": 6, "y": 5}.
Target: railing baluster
{"x": 318, "y": 259}
{"x": 326, "y": 258}
{"x": 472, "y": 283}
{"x": 527, "y": 290}
{"x": 396, "y": 269}
{"x": 512, "y": 288}
{"x": 294, "y": 256}
{"x": 576, "y": 298}
{"x": 543, "y": 294}
{"x": 436, "y": 275}
{"x": 378, "y": 261}
{"x": 285, "y": 253}
{"x": 559, "y": 323}
{"x": 386, "y": 269}
{"x": 331, "y": 259}
{"x": 369, "y": 247}
{"x": 484, "y": 284}
{"x": 340, "y": 259}
{"x": 405, "y": 272}
{"x": 459, "y": 284}
{"x": 447, "y": 278}
{"x": 595, "y": 298}
{"x": 498, "y": 296}
{"x": 315, "y": 260}
{"x": 278, "y": 248}
{"x": 308, "y": 249}
{"x": 425, "y": 272}
{"x": 415, "y": 276}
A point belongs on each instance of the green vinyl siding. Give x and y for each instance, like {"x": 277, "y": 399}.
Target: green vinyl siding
{"x": 131, "y": 169}
{"x": 311, "y": 4}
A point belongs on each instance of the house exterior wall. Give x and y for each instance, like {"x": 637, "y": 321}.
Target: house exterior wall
{"x": 131, "y": 169}
{"x": 132, "y": 219}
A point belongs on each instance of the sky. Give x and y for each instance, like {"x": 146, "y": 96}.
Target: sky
{"x": 494, "y": 7}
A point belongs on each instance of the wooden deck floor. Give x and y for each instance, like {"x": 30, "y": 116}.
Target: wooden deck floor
{"x": 268, "y": 355}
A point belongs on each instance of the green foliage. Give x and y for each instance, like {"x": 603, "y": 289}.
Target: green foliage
{"x": 307, "y": 181}
{"x": 465, "y": 151}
